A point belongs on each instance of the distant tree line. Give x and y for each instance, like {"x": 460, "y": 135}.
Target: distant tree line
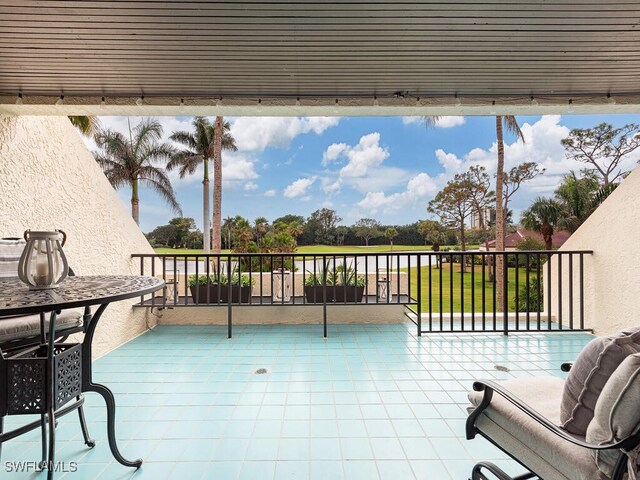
{"x": 322, "y": 227}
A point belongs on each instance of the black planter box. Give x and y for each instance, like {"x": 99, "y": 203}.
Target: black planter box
{"x": 335, "y": 294}
{"x": 350, "y": 294}
{"x": 220, "y": 294}
{"x": 314, "y": 293}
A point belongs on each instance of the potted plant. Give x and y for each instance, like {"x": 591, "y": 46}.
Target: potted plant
{"x": 341, "y": 285}
{"x": 349, "y": 286}
{"x": 241, "y": 286}
{"x": 315, "y": 285}
{"x": 204, "y": 289}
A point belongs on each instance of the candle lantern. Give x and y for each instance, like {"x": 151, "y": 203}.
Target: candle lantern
{"x": 384, "y": 290}
{"x": 43, "y": 264}
{"x": 281, "y": 285}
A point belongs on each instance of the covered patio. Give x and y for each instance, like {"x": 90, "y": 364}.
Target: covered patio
{"x": 374, "y": 401}
{"x": 369, "y": 401}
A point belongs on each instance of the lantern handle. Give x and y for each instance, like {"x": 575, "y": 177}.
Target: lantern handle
{"x": 64, "y": 237}
{"x": 26, "y": 235}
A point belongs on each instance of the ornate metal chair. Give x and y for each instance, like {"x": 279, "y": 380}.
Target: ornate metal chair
{"x": 522, "y": 417}
{"x": 19, "y": 338}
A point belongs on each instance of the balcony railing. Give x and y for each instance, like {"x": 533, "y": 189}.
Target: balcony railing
{"x": 441, "y": 292}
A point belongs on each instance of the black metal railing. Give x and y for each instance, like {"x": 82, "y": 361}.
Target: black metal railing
{"x": 445, "y": 292}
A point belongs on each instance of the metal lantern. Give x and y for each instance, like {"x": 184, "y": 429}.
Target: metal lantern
{"x": 281, "y": 285}
{"x": 384, "y": 290}
{"x": 43, "y": 264}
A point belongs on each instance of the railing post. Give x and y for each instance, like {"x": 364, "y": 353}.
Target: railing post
{"x": 324, "y": 295}
{"x": 419, "y": 293}
{"x": 505, "y": 293}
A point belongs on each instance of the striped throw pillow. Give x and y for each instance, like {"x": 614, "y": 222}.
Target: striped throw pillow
{"x": 10, "y": 251}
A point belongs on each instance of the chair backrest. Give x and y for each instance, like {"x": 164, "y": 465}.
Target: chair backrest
{"x": 10, "y": 251}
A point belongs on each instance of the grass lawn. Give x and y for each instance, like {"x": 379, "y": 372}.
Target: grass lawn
{"x": 457, "y": 297}
{"x": 181, "y": 251}
{"x": 360, "y": 249}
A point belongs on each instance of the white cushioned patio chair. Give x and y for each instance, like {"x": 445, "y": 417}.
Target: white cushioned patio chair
{"x": 583, "y": 428}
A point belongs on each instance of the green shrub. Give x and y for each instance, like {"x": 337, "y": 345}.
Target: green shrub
{"x": 536, "y": 298}
{"x": 243, "y": 280}
{"x": 201, "y": 280}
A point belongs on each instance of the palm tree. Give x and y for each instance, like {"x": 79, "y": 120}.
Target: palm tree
{"x": 198, "y": 149}
{"x": 511, "y": 123}
{"x": 577, "y": 196}
{"x": 543, "y": 216}
{"x": 224, "y": 141}
{"x": 260, "y": 228}
{"x": 86, "y": 125}
{"x": 131, "y": 161}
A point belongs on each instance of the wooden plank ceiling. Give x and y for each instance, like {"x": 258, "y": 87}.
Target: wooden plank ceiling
{"x": 305, "y": 48}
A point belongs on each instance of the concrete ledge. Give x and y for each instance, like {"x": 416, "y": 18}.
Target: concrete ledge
{"x": 309, "y": 314}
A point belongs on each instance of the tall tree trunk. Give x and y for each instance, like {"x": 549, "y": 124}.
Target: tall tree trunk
{"x": 206, "y": 209}
{"x": 217, "y": 185}
{"x": 463, "y": 242}
{"x": 547, "y": 235}
{"x": 135, "y": 202}
{"x": 500, "y": 214}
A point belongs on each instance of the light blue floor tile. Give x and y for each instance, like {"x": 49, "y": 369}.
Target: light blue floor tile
{"x": 360, "y": 470}
{"x": 371, "y": 401}
{"x": 292, "y": 470}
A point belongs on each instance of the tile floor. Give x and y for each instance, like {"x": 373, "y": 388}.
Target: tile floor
{"x": 370, "y": 402}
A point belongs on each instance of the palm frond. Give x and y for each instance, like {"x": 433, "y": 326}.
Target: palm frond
{"x": 160, "y": 183}
{"x": 186, "y": 162}
{"x": 511, "y": 123}
{"x": 430, "y": 120}
{"x": 87, "y": 125}
{"x": 184, "y": 138}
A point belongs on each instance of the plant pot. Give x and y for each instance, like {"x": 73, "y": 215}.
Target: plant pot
{"x": 314, "y": 293}
{"x": 349, "y": 294}
{"x": 201, "y": 291}
{"x": 238, "y": 294}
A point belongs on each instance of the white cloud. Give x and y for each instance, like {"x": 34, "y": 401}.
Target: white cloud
{"x": 364, "y": 169}
{"x": 250, "y": 186}
{"x": 411, "y": 120}
{"x": 363, "y": 157}
{"x": 418, "y": 189}
{"x": 270, "y": 193}
{"x": 333, "y": 152}
{"x": 450, "y": 121}
{"x": 542, "y": 145}
{"x": 238, "y": 167}
{"x": 442, "y": 122}
{"x": 254, "y": 134}
{"x": 299, "y": 187}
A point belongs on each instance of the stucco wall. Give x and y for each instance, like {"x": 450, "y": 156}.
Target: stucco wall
{"x": 612, "y": 273}
{"x": 49, "y": 180}
{"x": 283, "y": 315}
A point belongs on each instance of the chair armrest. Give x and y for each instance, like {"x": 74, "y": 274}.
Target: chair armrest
{"x": 489, "y": 387}
{"x": 566, "y": 366}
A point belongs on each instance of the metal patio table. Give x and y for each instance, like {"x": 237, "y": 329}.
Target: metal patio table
{"x": 44, "y": 378}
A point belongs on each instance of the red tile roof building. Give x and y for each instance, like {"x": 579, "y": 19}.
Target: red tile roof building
{"x": 512, "y": 240}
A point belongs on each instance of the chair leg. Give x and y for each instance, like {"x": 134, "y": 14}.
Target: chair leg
{"x": 1, "y": 431}
{"x": 52, "y": 444}
{"x": 88, "y": 441}
{"x": 497, "y": 472}
{"x": 43, "y": 435}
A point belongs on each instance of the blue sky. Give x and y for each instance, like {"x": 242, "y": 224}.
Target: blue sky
{"x": 387, "y": 168}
